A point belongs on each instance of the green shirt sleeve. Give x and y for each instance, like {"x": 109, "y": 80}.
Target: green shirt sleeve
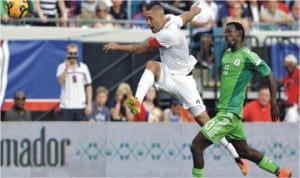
{"x": 259, "y": 65}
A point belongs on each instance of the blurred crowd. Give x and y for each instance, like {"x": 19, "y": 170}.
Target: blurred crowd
{"x": 76, "y": 103}
{"x": 253, "y": 14}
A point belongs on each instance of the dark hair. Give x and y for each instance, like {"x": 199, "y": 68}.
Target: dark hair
{"x": 153, "y": 4}
{"x": 238, "y": 26}
{"x": 263, "y": 87}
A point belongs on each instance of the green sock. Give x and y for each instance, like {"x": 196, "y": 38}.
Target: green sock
{"x": 268, "y": 165}
{"x": 197, "y": 173}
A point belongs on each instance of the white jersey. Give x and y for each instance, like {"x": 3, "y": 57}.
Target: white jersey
{"x": 73, "y": 92}
{"x": 174, "y": 52}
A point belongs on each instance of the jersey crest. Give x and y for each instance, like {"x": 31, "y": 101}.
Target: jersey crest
{"x": 237, "y": 62}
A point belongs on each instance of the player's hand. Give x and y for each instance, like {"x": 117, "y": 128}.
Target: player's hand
{"x": 275, "y": 113}
{"x": 196, "y": 9}
{"x": 110, "y": 47}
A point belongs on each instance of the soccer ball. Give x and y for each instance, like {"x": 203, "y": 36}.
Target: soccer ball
{"x": 17, "y": 8}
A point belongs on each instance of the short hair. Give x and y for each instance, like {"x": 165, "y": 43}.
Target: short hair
{"x": 102, "y": 89}
{"x": 72, "y": 45}
{"x": 263, "y": 87}
{"x": 154, "y": 5}
{"x": 103, "y": 5}
{"x": 291, "y": 59}
{"x": 238, "y": 26}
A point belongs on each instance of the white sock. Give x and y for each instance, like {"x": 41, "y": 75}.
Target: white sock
{"x": 145, "y": 83}
{"x": 229, "y": 147}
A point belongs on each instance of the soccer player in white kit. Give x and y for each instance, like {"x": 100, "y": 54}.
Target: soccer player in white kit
{"x": 172, "y": 74}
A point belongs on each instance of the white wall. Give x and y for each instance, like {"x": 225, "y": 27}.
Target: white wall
{"x": 82, "y": 149}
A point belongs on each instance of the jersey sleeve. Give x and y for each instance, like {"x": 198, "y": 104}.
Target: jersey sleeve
{"x": 174, "y": 19}
{"x": 60, "y": 69}
{"x": 166, "y": 38}
{"x": 178, "y": 21}
{"x": 259, "y": 64}
{"x": 88, "y": 79}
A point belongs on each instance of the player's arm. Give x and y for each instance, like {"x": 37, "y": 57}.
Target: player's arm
{"x": 275, "y": 113}
{"x": 264, "y": 70}
{"x": 187, "y": 16}
{"x": 133, "y": 48}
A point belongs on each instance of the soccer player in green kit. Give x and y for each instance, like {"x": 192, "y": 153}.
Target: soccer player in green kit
{"x": 238, "y": 65}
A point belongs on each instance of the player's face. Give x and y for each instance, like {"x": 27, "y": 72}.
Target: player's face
{"x": 231, "y": 36}
{"x": 154, "y": 20}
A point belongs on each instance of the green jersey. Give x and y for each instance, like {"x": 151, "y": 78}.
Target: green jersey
{"x": 238, "y": 68}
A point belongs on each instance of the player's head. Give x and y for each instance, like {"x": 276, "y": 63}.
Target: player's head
{"x": 154, "y": 16}
{"x": 234, "y": 34}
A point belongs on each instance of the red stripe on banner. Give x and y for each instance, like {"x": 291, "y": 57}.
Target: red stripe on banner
{"x": 34, "y": 106}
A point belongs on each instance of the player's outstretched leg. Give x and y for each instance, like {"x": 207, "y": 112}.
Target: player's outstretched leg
{"x": 146, "y": 82}
{"x": 262, "y": 161}
{"x": 243, "y": 164}
{"x": 151, "y": 73}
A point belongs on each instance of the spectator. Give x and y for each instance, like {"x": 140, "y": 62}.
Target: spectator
{"x": 100, "y": 112}
{"x": 205, "y": 69}
{"x": 18, "y": 111}
{"x": 259, "y": 110}
{"x": 176, "y": 113}
{"x": 119, "y": 110}
{"x": 253, "y": 7}
{"x": 88, "y": 11}
{"x": 152, "y": 105}
{"x": 204, "y": 22}
{"x": 102, "y": 13}
{"x": 173, "y": 114}
{"x": 295, "y": 15}
{"x": 76, "y": 90}
{"x": 293, "y": 113}
{"x": 295, "y": 11}
{"x": 227, "y": 10}
{"x": 140, "y": 16}
{"x": 183, "y": 5}
{"x": 118, "y": 11}
{"x": 73, "y": 10}
{"x": 46, "y": 10}
{"x": 291, "y": 81}
{"x": 236, "y": 16}
{"x": 274, "y": 17}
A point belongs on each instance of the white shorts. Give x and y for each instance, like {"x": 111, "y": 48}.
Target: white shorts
{"x": 181, "y": 86}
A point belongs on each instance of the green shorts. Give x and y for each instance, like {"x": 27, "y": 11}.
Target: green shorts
{"x": 224, "y": 124}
